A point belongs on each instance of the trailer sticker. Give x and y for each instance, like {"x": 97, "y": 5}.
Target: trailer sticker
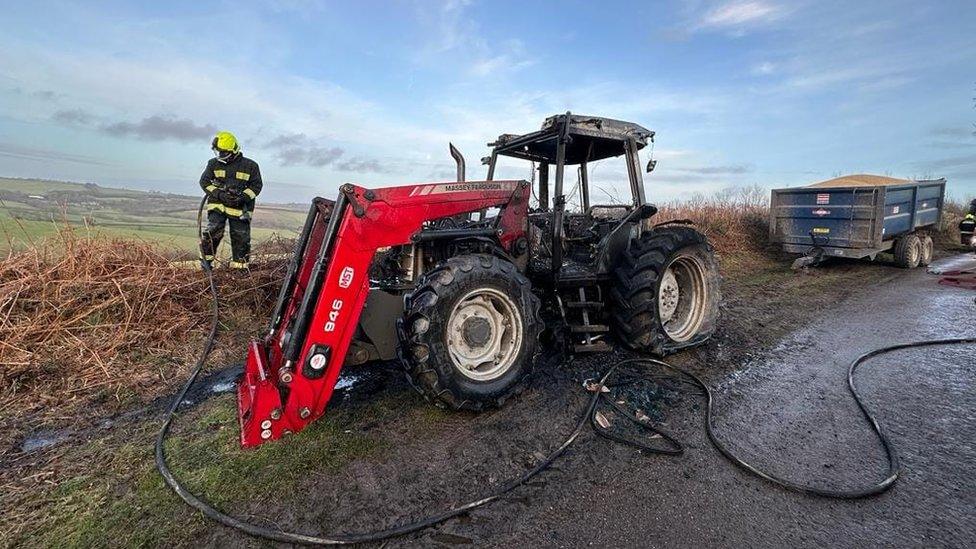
{"x": 823, "y": 198}
{"x": 821, "y": 211}
{"x": 345, "y": 277}
{"x": 821, "y": 230}
{"x": 895, "y": 209}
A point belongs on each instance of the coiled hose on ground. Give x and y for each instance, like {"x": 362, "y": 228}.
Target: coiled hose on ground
{"x": 596, "y": 387}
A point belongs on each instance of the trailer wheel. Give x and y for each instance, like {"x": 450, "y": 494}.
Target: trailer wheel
{"x": 928, "y": 250}
{"x": 469, "y": 332}
{"x": 908, "y": 251}
{"x": 666, "y": 291}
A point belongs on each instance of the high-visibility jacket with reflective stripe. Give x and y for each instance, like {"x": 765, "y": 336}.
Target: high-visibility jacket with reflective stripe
{"x": 240, "y": 174}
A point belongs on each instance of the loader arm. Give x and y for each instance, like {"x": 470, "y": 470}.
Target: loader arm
{"x": 289, "y": 376}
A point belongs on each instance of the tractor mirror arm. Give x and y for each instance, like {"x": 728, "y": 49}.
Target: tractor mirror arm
{"x": 647, "y": 211}
{"x": 644, "y": 211}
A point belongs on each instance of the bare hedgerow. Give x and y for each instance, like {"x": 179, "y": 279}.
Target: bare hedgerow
{"x": 733, "y": 218}
{"x": 81, "y": 316}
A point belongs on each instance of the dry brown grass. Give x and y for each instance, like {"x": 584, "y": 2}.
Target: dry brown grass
{"x": 735, "y": 219}
{"x": 84, "y": 317}
{"x": 948, "y": 234}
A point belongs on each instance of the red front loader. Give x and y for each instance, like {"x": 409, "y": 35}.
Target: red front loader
{"x": 289, "y": 377}
{"x": 451, "y": 278}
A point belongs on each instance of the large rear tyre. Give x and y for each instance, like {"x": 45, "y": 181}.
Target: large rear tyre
{"x": 666, "y": 291}
{"x": 908, "y": 251}
{"x": 469, "y": 332}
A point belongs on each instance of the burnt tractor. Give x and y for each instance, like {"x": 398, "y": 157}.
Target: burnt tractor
{"x": 454, "y": 279}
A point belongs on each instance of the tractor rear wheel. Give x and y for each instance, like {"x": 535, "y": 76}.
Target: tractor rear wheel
{"x": 666, "y": 291}
{"x": 908, "y": 251}
{"x": 469, "y": 332}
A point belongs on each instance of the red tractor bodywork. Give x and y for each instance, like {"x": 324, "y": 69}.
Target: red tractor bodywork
{"x": 290, "y": 375}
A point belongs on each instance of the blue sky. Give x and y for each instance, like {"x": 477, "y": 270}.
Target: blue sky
{"x": 771, "y": 92}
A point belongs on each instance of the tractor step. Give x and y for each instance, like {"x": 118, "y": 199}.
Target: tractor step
{"x": 589, "y": 328}
{"x": 584, "y": 314}
{"x": 595, "y": 347}
{"x": 595, "y": 305}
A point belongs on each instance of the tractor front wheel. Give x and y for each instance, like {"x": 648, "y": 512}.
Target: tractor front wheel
{"x": 666, "y": 291}
{"x": 469, "y": 331}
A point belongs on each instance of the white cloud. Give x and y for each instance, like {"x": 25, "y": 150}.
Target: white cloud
{"x": 739, "y": 14}
{"x": 861, "y": 76}
{"x": 764, "y": 68}
{"x": 455, "y": 37}
{"x": 511, "y": 59}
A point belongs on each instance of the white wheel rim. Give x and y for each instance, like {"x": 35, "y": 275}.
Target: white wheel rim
{"x": 681, "y": 298}
{"x": 913, "y": 253}
{"x": 484, "y": 334}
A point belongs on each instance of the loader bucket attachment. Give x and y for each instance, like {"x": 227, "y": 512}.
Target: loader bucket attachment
{"x": 259, "y": 396}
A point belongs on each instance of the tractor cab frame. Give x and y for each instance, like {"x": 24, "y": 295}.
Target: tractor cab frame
{"x": 578, "y": 247}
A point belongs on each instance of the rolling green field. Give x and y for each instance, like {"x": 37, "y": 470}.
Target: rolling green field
{"x": 32, "y": 209}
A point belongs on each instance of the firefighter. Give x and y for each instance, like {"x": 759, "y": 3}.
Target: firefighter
{"x": 231, "y": 182}
{"x": 967, "y": 227}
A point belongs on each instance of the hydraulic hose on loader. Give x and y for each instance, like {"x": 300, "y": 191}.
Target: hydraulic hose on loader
{"x": 597, "y": 387}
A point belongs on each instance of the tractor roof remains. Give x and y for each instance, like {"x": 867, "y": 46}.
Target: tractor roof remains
{"x": 590, "y": 138}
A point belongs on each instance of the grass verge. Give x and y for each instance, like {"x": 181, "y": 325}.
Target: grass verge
{"x": 109, "y": 494}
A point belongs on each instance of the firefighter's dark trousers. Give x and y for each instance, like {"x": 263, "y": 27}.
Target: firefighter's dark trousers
{"x": 240, "y": 238}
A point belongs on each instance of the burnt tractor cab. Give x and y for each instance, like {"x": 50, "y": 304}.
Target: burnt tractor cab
{"x": 612, "y": 274}
{"x": 454, "y": 279}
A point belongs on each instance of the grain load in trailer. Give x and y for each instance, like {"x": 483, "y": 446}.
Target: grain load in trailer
{"x": 858, "y": 216}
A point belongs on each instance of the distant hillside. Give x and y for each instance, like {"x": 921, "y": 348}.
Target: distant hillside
{"x": 30, "y": 208}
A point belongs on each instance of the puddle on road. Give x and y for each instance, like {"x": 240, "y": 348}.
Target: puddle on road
{"x": 43, "y": 439}
{"x": 451, "y": 539}
{"x": 346, "y": 381}
{"x": 223, "y": 387}
{"x": 960, "y": 262}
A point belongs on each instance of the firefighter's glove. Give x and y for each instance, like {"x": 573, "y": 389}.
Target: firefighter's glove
{"x": 213, "y": 189}
{"x": 233, "y": 199}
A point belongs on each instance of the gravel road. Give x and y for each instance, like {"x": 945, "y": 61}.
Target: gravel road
{"x": 789, "y": 411}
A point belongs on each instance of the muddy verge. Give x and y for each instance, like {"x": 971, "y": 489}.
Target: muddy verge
{"x": 434, "y": 460}
{"x": 428, "y": 460}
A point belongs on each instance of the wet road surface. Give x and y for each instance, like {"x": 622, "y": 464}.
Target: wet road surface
{"x": 789, "y": 412}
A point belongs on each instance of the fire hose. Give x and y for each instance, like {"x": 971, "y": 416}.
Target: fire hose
{"x": 597, "y": 387}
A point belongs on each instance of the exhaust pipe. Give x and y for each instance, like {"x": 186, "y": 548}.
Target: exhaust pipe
{"x": 459, "y": 158}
